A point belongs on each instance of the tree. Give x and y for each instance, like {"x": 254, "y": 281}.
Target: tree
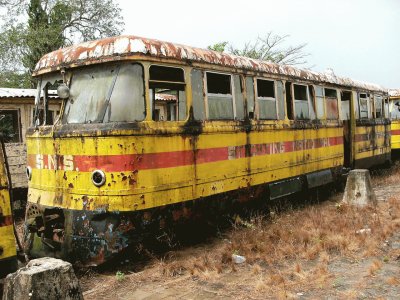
{"x": 267, "y": 48}
{"x": 33, "y": 28}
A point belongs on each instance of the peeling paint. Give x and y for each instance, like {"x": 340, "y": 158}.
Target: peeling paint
{"x": 114, "y": 48}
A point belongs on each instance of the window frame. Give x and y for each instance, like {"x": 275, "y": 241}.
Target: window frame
{"x": 338, "y": 113}
{"x": 261, "y": 98}
{"x": 18, "y": 122}
{"x": 152, "y": 96}
{"x": 206, "y": 95}
{"x": 305, "y": 85}
{"x": 367, "y": 99}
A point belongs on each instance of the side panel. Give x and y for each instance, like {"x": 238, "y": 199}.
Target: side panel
{"x": 372, "y": 143}
{"x": 150, "y": 170}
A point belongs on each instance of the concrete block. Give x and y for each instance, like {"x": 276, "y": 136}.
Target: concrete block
{"x": 358, "y": 189}
{"x": 43, "y": 278}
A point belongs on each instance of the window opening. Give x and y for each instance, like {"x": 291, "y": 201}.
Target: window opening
{"x": 167, "y": 85}
{"x": 363, "y": 100}
{"x": 345, "y": 97}
{"x": 289, "y": 102}
{"x": 266, "y": 99}
{"x": 10, "y": 126}
{"x": 301, "y": 102}
{"x": 378, "y": 106}
{"x": 331, "y": 104}
{"x": 219, "y": 96}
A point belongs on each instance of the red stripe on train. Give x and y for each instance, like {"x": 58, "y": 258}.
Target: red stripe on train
{"x": 125, "y": 162}
{"x": 395, "y": 132}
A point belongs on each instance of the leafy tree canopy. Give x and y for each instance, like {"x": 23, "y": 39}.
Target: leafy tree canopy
{"x": 32, "y": 28}
{"x": 267, "y": 48}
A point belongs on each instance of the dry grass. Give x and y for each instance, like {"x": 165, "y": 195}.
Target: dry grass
{"x": 275, "y": 249}
{"x": 290, "y": 253}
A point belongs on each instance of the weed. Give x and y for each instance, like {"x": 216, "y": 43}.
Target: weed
{"x": 120, "y": 276}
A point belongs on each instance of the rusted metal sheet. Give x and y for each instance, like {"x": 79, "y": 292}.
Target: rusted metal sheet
{"x": 116, "y": 48}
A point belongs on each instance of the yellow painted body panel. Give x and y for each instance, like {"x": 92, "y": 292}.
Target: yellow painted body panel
{"x": 152, "y": 187}
{"x": 395, "y": 137}
{"x": 371, "y": 141}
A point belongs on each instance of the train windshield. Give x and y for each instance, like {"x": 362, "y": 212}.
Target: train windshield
{"x": 107, "y": 93}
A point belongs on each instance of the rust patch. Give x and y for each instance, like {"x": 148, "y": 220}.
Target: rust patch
{"x": 116, "y": 48}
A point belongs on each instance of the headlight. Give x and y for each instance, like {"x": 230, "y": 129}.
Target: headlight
{"x": 98, "y": 177}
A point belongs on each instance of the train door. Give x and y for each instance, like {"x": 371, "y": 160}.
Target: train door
{"x": 348, "y": 118}
{"x": 8, "y": 258}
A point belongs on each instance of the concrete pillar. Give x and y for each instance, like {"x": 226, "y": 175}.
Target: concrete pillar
{"x": 43, "y": 278}
{"x": 358, "y": 189}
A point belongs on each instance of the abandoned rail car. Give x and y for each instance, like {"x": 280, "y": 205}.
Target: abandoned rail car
{"x": 394, "y": 107}
{"x": 150, "y": 129}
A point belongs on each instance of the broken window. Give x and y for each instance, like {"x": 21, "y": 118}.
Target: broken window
{"x": 301, "y": 102}
{"x": 105, "y": 93}
{"x": 90, "y": 87}
{"x": 10, "y": 125}
{"x": 127, "y": 103}
{"x": 363, "y": 105}
{"x": 378, "y": 106}
{"x": 46, "y": 90}
{"x": 219, "y": 96}
{"x": 331, "y": 104}
{"x": 266, "y": 100}
{"x": 167, "y": 91}
{"x": 345, "y": 97}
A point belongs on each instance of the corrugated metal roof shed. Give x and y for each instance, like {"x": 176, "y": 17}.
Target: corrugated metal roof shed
{"x": 17, "y": 93}
{"x": 22, "y": 93}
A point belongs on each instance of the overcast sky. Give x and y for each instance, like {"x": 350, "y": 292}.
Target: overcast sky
{"x": 356, "y": 38}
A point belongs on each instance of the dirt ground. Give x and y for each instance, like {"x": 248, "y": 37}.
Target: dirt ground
{"x": 326, "y": 250}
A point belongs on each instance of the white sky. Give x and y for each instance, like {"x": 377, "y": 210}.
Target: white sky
{"x": 356, "y": 38}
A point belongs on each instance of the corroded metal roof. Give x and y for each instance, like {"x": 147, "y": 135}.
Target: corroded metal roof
{"x": 116, "y": 48}
{"x": 394, "y": 93}
{"x": 23, "y": 93}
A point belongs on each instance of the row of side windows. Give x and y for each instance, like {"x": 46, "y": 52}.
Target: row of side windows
{"x": 220, "y": 96}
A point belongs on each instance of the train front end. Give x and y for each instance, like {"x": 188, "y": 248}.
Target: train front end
{"x": 82, "y": 164}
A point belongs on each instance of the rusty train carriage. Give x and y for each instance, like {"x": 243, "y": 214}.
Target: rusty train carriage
{"x": 109, "y": 170}
{"x": 394, "y": 107}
